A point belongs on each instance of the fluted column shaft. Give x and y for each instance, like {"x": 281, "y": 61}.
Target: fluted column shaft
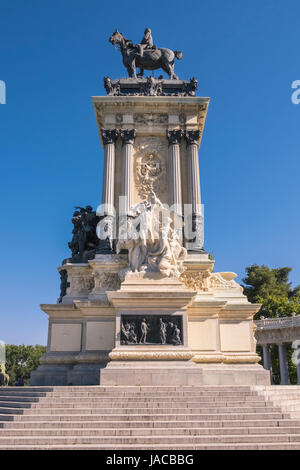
{"x": 128, "y": 137}
{"x": 174, "y": 137}
{"x": 192, "y": 138}
{"x": 106, "y": 225}
{"x": 194, "y": 220}
{"x": 108, "y": 187}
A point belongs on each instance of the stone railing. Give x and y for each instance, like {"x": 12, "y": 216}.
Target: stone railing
{"x": 280, "y": 322}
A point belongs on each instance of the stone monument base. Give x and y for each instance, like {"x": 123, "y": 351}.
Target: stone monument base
{"x": 182, "y": 373}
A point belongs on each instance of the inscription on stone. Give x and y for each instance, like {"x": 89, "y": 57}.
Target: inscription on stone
{"x": 151, "y": 329}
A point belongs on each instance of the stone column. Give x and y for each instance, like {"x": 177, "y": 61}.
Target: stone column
{"x": 298, "y": 363}
{"x": 106, "y": 228}
{"x": 128, "y": 137}
{"x": 267, "y": 357}
{"x": 284, "y": 370}
{"x": 174, "y": 138}
{"x": 109, "y": 138}
{"x": 194, "y": 220}
{"x": 267, "y": 360}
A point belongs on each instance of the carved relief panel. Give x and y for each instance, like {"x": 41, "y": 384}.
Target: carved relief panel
{"x": 151, "y": 168}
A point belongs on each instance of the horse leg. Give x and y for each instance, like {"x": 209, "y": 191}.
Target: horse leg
{"x": 141, "y": 73}
{"x": 169, "y": 69}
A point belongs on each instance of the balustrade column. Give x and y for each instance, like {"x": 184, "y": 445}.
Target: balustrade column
{"x": 196, "y": 216}
{"x": 283, "y": 362}
{"x": 128, "y": 137}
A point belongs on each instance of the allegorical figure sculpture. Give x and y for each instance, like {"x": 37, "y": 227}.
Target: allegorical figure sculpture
{"x": 145, "y": 55}
{"x": 162, "y": 331}
{"x": 152, "y": 244}
{"x": 144, "y": 331}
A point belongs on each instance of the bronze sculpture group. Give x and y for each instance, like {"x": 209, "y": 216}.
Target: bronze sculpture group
{"x": 134, "y": 332}
{"x": 145, "y": 55}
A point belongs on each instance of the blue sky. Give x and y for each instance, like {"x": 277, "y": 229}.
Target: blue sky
{"x": 53, "y": 56}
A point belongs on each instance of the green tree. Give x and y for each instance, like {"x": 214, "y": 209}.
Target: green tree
{"x": 271, "y": 288}
{"x": 22, "y": 360}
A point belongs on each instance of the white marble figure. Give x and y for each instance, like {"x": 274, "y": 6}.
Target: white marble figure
{"x": 152, "y": 243}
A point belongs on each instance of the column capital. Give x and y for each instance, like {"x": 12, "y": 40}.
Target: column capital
{"x": 109, "y": 136}
{"x": 174, "y": 136}
{"x": 192, "y": 137}
{"x": 128, "y": 136}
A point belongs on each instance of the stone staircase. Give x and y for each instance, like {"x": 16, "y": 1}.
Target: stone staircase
{"x": 148, "y": 417}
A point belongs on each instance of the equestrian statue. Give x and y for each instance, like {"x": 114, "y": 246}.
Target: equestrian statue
{"x": 145, "y": 55}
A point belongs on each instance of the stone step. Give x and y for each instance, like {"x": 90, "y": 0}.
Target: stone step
{"x": 140, "y": 401}
{"x": 161, "y": 439}
{"x": 138, "y": 388}
{"x": 62, "y": 424}
{"x": 142, "y": 431}
{"x": 131, "y": 447}
{"x": 131, "y": 393}
{"x": 6, "y": 410}
{"x": 150, "y": 410}
{"x": 70, "y": 416}
{"x": 18, "y": 398}
{"x": 225, "y": 407}
{"x": 12, "y": 404}
{"x": 130, "y": 400}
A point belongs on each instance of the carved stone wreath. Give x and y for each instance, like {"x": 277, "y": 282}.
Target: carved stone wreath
{"x": 150, "y": 174}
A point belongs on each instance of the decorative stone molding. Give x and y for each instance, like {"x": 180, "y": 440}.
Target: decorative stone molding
{"x": 151, "y": 355}
{"x": 88, "y": 357}
{"x": 149, "y": 119}
{"x": 150, "y": 86}
{"x": 196, "y": 280}
{"x": 80, "y": 280}
{"x": 105, "y": 269}
{"x": 109, "y": 136}
{"x": 128, "y": 136}
{"x": 174, "y": 136}
{"x": 224, "y": 281}
{"x": 240, "y": 359}
{"x": 208, "y": 359}
{"x": 192, "y": 137}
{"x": 106, "y": 281}
{"x": 58, "y": 358}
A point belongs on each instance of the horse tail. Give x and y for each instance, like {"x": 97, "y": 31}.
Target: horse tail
{"x": 178, "y": 54}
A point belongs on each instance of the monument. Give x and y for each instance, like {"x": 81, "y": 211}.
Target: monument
{"x": 140, "y": 303}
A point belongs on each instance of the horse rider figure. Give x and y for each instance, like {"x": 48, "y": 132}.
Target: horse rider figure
{"x": 146, "y": 42}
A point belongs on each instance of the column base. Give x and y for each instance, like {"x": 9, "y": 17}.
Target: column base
{"x": 182, "y": 373}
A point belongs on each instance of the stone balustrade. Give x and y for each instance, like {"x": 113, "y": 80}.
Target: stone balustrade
{"x": 280, "y": 331}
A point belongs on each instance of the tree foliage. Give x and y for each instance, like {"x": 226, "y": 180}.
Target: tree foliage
{"x": 271, "y": 288}
{"x": 22, "y": 360}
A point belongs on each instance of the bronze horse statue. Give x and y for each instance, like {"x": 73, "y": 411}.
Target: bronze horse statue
{"x": 152, "y": 59}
